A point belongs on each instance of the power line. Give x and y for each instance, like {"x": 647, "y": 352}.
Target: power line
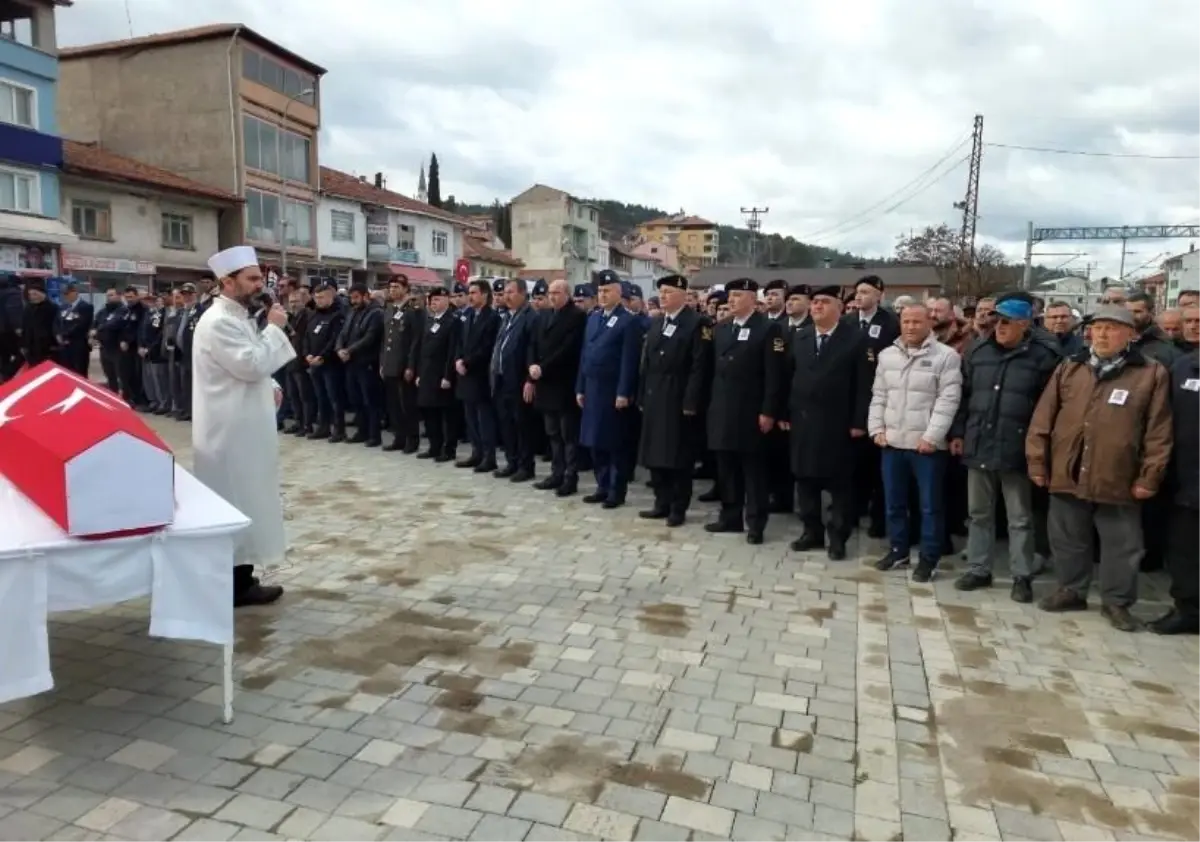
{"x": 830, "y": 229}
{"x": 1090, "y": 154}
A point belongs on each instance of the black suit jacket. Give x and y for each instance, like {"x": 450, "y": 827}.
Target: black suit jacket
{"x": 512, "y": 345}
{"x": 557, "y": 347}
{"x": 476, "y": 341}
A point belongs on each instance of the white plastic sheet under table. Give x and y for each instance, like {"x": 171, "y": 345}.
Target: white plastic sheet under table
{"x": 186, "y": 569}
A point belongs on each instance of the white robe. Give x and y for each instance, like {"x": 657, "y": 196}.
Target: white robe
{"x": 233, "y": 422}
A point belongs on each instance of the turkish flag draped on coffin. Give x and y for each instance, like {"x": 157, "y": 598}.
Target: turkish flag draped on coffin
{"x": 82, "y": 456}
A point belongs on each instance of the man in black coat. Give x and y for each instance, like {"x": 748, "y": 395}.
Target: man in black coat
{"x": 749, "y": 357}
{"x": 435, "y": 349}
{"x": 358, "y": 348}
{"x": 302, "y": 395}
{"x": 324, "y": 366}
{"x": 830, "y": 374}
{"x": 676, "y": 371}
{"x": 74, "y": 327}
{"x": 472, "y": 358}
{"x": 512, "y": 390}
{"x": 12, "y": 306}
{"x": 880, "y": 328}
{"x": 129, "y": 363}
{"x": 37, "y": 324}
{"x": 106, "y": 326}
{"x": 403, "y": 323}
{"x": 553, "y": 367}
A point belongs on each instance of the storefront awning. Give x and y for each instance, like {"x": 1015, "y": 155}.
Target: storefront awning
{"x": 417, "y": 274}
{"x": 35, "y": 229}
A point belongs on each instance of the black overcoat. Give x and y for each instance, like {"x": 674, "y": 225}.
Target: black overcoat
{"x": 676, "y": 373}
{"x": 748, "y": 369}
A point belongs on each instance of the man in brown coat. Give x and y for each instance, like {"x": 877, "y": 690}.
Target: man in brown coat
{"x": 1100, "y": 441}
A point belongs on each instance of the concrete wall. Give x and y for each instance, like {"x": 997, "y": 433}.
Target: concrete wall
{"x": 137, "y": 224}
{"x": 340, "y": 249}
{"x": 1182, "y": 273}
{"x": 537, "y": 229}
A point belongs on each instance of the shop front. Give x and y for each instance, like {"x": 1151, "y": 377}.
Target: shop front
{"x": 97, "y": 275}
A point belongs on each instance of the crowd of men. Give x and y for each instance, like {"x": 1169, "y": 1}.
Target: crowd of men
{"x": 1077, "y": 440}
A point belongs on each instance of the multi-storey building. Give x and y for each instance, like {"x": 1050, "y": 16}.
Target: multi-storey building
{"x": 31, "y": 150}
{"x": 399, "y": 234}
{"x": 696, "y": 240}
{"x": 221, "y": 105}
{"x": 555, "y": 234}
{"x": 1183, "y": 272}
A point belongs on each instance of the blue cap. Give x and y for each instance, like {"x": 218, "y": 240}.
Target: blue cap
{"x": 584, "y": 291}
{"x": 718, "y": 295}
{"x": 626, "y": 290}
{"x": 498, "y": 285}
{"x": 1014, "y": 308}
{"x": 605, "y": 277}
{"x": 539, "y": 287}
{"x": 636, "y": 291}
{"x": 460, "y": 289}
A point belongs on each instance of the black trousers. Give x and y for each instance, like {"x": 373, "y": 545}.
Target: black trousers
{"x": 10, "y": 354}
{"x": 841, "y": 510}
{"x": 672, "y": 489}
{"x": 519, "y": 425}
{"x": 562, "y": 431}
{"x": 441, "y": 427}
{"x": 1183, "y": 559}
{"x": 129, "y": 369}
{"x": 110, "y": 364}
{"x": 404, "y": 418}
{"x": 1156, "y": 520}
{"x": 302, "y": 396}
{"x": 868, "y": 483}
{"x": 778, "y": 465}
{"x": 743, "y": 482}
{"x": 77, "y": 357}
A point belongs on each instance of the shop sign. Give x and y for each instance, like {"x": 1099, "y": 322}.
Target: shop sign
{"x": 28, "y": 259}
{"x": 119, "y": 265}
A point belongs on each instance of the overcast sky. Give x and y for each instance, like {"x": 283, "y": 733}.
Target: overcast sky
{"x": 820, "y": 111}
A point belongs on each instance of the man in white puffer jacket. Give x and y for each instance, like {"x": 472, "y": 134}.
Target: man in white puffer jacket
{"x": 918, "y": 384}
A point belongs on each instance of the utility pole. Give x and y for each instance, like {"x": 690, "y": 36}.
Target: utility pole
{"x": 753, "y": 224}
{"x": 1124, "y": 246}
{"x": 970, "y": 208}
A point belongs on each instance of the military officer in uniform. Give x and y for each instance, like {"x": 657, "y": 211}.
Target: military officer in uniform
{"x": 434, "y": 356}
{"x": 749, "y": 360}
{"x": 676, "y": 371}
{"x": 829, "y": 378}
{"x": 403, "y": 323}
{"x": 74, "y": 327}
{"x": 799, "y": 298}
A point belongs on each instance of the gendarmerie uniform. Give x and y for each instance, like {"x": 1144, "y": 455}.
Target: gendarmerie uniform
{"x": 676, "y": 372}
{"x": 880, "y": 330}
{"x": 435, "y": 379}
{"x": 402, "y": 328}
{"x": 749, "y": 362}
{"x": 830, "y": 379}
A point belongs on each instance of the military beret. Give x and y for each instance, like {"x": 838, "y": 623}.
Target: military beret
{"x": 440, "y": 292}
{"x": 605, "y": 277}
{"x": 745, "y": 285}
{"x": 636, "y": 291}
{"x": 498, "y": 285}
{"x": 540, "y": 287}
{"x": 626, "y": 290}
{"x": 721, "y": 296}
{"x": 828, "y": 292}
{"x": 460, "y": 289}
{"x": 778, "y": 283}
{"x": 677, "y": 281}
{"x": 800, "y": 289}
{"x": 871, "y": 281}
{"x": 188, "y": 288}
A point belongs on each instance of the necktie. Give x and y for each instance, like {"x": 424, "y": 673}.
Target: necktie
{"x": 862, "y": 324}
{"x": 821, "y": 339}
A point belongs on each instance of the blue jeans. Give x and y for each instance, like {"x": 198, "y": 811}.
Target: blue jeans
{"x": 366, "y": 395}
{"x": 331, "y": 404}
{"x": 900, "y": 468}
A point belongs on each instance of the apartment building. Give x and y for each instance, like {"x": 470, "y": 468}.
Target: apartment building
{"x": 31, "y": 150}
{"x": 696, "y": 240}
{"x": 1183, "y": 272}
{"x": 555, "y": 234}
{"x": 221, "y": 105}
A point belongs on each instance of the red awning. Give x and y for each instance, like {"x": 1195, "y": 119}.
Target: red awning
{"x": 417, "y": 274}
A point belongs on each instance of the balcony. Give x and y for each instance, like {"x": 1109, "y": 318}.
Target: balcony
{"x": 19, "y": 145}
{"x": 408, "y": 257}
{"x": 27, "y": 39}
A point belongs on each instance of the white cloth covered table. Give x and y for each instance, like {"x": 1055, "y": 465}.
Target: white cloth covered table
{"x": 186, "y": 569}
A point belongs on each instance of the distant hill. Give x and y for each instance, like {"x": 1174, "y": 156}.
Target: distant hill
{"x": 622, "y": 218}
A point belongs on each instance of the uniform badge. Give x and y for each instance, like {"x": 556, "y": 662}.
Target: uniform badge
{"x": 777, "y": 345}
{"x": 706, "y": 333}
{"x": 870, "y": 355}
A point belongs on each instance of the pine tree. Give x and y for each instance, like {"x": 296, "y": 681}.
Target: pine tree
{"x": 435, "y": 182}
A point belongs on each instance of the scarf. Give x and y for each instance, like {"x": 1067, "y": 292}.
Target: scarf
{"x": 1105, "y": 369}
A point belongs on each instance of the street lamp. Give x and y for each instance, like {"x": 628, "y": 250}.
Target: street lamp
{"x": 282, "y": 178}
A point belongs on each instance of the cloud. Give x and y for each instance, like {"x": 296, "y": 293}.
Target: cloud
{"x": 819, "y": 111}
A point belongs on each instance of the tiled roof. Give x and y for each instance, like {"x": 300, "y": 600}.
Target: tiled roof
{"x": 93, "y": 161}
{"x": 686, "y": 221}
{"x": 476, "y": 249}
{"x": 183, "y": 36}
{"x": 546, "y": 275}
{"x": 346, "y": 186}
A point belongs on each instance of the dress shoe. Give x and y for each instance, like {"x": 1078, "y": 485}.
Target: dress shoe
{"x": 319, "y": 433}
{"x": 426, "y": 454}
{"x": 754, "y": 538}
{"x": 1175, "y": 623}
{"x": 357, "y": 438}
{"x": 373, "y": 443}
{"x": 837, "y": 549}
{"x": 505, "y": 472}
{"x": 653, "y": 514}
{"x": 443, "y": 458}
{"x": 392, "y": 447}
{"x": 1022, "y": 589}
{"x": 568, "y": 488}
{"x": 336, "y": 437}
{"x": 719, "y": 527}
{"x": 549, "y": 483}
{"x": 1061, "y": 601}
{"x": 595, "y": 497}
{"x": 412, "y": 447}
{"x": 807, "y": 542}
{"x": 522, "y": 475}
{"x": 470, "y": 462}
{"x": 1119, "y": 618}
{"x": 487, "y": 466}
{"x": 257, "y": 594}
{"x": 676, "y": 519}
{"x": 973, "y": 581}
{"x": 612, "y": 503}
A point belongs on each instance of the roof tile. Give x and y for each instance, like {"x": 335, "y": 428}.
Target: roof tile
{"x": 91, "y": 160}
{"x": 346, "y": 186}
{"x": 476, "y": 249}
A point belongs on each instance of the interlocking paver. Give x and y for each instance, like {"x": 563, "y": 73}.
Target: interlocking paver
{"x": 741, "y": 692}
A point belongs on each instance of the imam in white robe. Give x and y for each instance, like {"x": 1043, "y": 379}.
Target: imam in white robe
{"x": 233, "y": 422}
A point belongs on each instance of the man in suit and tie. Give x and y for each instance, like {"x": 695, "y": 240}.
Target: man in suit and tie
{"x": 830, "y": 378}
{"x": 553, "y": 368}
{"x": 606, "y": 390}
{"x": 512, "y": 390}
{"x": 472, "y": 360}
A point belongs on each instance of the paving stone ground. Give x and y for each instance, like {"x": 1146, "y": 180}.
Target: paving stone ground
{"x": 461, "y": 658}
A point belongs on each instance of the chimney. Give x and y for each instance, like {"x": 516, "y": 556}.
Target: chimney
{"x": 379, "y": 180}
{"x": 828, "y": 263}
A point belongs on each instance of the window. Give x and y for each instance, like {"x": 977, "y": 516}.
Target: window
{"x": 17, "y": 106}
{"x": 592, "y": 215}
{"x": 441, "y": 243}
{"x": 341, "y": 226}
{"x": 406, "y": 238}
{"x": 176, "y": 231}
{"x": 91, "y": 220}
{"x": 18, "y": 191}
{"x": 279, "y": 153}
{"x": 265, "y": 70}
{"x": 262, "y": 219}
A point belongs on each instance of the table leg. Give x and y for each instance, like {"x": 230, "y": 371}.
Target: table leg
{"x": 227, "y": 683}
